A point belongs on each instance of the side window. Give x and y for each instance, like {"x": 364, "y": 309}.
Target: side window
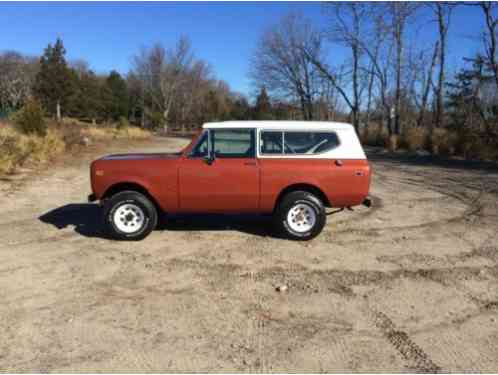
{"x": 202, "y": 147}
{"x": 233, "y": 143}
{"x": 271, "y": 142}
{"x": 309, "y": 143}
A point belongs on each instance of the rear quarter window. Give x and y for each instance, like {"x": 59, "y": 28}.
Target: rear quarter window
{"x": 297, "y": 142}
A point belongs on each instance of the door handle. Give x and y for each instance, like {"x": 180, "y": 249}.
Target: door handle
{"x": 338, "y": 163}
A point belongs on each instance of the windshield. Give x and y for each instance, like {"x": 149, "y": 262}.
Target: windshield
{"x": 192, "y": 142}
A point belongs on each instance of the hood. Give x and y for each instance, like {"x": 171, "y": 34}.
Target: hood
{"x": 142, "y": 156}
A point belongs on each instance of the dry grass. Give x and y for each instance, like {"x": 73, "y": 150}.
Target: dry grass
{"x": 374, "y": 135}
{"x": 106, "y": 133}
{"x": 443, "y": 141}
{"x": 392, "y": 143}
{"x": 134, "y": 133}
{"x": 473, "y": 145}
{"x": 17, "y": 149}
{"x": 98, "y": 134}
{"x": 415, "y": 138}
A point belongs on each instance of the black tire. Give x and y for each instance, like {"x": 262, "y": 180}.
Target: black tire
{"x": 290, "y": 201}
{"x": 136, "y": 203}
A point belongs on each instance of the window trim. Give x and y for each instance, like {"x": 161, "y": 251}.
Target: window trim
{"x": 283, "y": 131}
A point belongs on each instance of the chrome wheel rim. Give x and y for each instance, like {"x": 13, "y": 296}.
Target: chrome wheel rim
{"x": 301, "y": 218}
{"x": 129, "y": 218}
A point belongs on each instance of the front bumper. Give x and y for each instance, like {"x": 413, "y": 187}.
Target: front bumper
{"x": 92, "y": 198}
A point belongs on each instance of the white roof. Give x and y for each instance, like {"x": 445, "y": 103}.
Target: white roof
{"x": 279, "y": 125}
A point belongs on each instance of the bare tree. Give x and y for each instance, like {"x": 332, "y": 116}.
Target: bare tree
{"x": 425, "y": 77}
{"x": 443, "y": 13}
{"x": 193, "y": 92}
{"x": 283, "y": 62}
{"x": 346, "y": 28}
{"x": 17, "y": 73}
{"x": 398, "y": 14}
{"x": 378, "y": 47}
{"x": 162, "y": 72}
{"x": 489, "y": 36}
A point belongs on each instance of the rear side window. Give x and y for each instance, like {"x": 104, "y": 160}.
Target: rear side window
{"x": 271, "y": 142}
{"x": 297, "y": 143}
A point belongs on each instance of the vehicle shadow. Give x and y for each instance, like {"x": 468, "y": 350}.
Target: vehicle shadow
{"x": 85, "y": 217}
{"x": 87, "y": 221}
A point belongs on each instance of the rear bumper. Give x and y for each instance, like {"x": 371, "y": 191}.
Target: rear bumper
{"x": 92, "y": 198}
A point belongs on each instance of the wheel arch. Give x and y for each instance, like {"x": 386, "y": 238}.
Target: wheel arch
{"x": 130, "y": 186}
{"x": 313, "y": 189}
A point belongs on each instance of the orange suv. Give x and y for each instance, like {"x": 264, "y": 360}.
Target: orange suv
{"x": 291, "y": 169}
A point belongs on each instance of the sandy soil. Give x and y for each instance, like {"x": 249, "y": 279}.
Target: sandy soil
{"x": 408, "y": 285}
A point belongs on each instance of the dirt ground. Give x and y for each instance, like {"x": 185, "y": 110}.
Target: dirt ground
{"x": 408, "y": 285}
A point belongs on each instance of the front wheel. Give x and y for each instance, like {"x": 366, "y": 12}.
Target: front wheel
{"x": 300, "y": 216}
{"x": 130, "y": 215}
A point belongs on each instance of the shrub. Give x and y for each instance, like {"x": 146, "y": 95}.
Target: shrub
{"x": 443, "y": 141}
{"x": 17, "y": 148}
{"x": 122, "y": 123}
{"x": 475, "y": 145}
{"x": 393, "y": 143}
{"x": 11, "y": 152}
{"x": 374, "y": 135}
{"x": 130, "y": 132}
{"x": 98, "y": 133}
{"x": 71, "y": 134}
{"x": 133, "y": 132}
{"x": 157, "y": 120}
{"x": 30, "y": 119}
{"x": 415, "y": 138}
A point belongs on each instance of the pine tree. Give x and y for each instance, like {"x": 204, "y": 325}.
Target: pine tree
{"x": 54, "y": 83}
{"x": 262, "y": 110}
{"x": 119, "y": 93}
{"x": 86, "y": 100}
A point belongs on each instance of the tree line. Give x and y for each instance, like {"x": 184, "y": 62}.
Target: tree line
{"x": 165, "y": 86}
{"x": 386, "y": 78}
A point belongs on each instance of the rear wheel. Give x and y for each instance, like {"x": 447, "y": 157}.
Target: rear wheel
{"x": 129, "y": 215}
{"x": 300, "y": 216}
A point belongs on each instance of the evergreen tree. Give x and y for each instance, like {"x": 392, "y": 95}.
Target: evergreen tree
{"x": 86, "y": 101}
{"x": 470, "y": 99}
{"x": 262, "y": 110}
{"x": 54, "y": 83}
{"x": 240, "y": 109}
{"x": 118, "y": 107}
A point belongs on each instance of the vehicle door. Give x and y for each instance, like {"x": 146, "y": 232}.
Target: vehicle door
{"x": 221, "y": 174}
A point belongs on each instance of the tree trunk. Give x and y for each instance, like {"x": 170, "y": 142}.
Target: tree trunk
{"x": 369, "y": 96}
{"x": 397, "y": 104}
{"x": 309, "y": 105}
{"x": 443, "y": 28}
{"x": 355, "y": 119}
{"x": 491, "y": 47}
{"x": 58, "y": 111}
{"x": 427, "y": 86}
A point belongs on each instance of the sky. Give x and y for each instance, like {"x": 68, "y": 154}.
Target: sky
{"x": 225, "y": 34}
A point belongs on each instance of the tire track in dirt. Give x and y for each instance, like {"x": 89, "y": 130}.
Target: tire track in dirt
{"x": 419, "y": 361}
{"x": 473, "y": 203}
{"x": 257, "y": 332}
